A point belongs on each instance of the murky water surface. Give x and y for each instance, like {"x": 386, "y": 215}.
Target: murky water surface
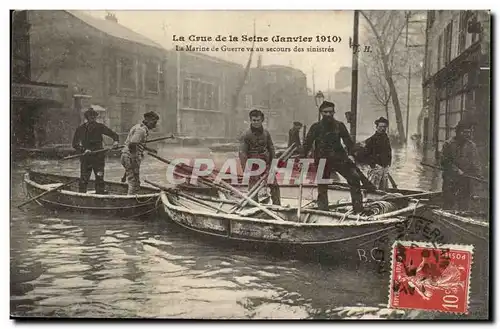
{"x": 85, "y": 266}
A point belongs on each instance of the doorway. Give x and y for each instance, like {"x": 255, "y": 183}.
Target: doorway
{"x": 23, "y": 119}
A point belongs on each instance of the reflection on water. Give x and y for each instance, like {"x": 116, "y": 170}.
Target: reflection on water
{"x": 86, "y": 266}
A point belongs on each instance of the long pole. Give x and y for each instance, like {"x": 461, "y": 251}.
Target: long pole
{"x": 408, "y": 104}
{"x": 178, "y": 92}
{"x": 354, "y": 80}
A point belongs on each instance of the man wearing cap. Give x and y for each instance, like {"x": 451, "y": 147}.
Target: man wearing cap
{"x": 294, "y": 136}
{"x": 378, "y": 154}
{"x": 133, "y": 151}
{"x": 459, "y": 157}
{"x": 256, "y": 143}
{"x": 88, "y": 138}
{"x": 327, "y": 135}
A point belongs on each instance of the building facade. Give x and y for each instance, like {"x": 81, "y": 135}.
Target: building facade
{"x": 281, "y": 93}
{"x": 200, "y": 91}
{"x": 343, "y": 77}
{"x": 456, "y": 81}
{"x": 29, "y": 99}
{"x": 103, "y": 64}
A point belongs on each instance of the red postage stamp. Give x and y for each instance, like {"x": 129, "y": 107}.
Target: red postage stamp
{"x": 429, "y": 277}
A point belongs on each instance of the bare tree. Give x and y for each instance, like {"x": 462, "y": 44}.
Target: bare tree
{"x": 378, "y": 87}
{"x": 387, "y": 28}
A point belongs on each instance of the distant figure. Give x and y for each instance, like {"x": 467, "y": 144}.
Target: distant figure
{"x": 348, "y": 117}
{"x": 378, "y": 154}
{"x": 459, "y": 157}
{"x": 294, "y": 137}
{"x": 88, "y": 138}
{"x": 133, "y": 152}
{"x": 256, "y": 143}
{"x": 328, "y": 135}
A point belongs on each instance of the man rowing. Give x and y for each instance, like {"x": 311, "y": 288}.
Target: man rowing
{"x": 88, "y": 138}
{"x": 327, "y": 135}
{"x": 256, "y": 143}
{"x": 133, "y": 150}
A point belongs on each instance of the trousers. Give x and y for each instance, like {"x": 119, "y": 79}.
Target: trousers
{"x": 88, "y": 164}
{"x": 273, "y": 187}
{"x": 457, "y": 192}
{"x": 347, "y": 170}
{"x": 132, "y": 165}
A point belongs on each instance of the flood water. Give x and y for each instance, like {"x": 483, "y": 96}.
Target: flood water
{"x": 67, "y": 265}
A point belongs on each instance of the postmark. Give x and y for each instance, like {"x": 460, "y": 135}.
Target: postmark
{"x": 426, "y": 277}
{"x": 417, "y": 227}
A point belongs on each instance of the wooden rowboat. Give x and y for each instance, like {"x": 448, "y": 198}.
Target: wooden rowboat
{"x": 334, "y": 231}
{"x": 116, "y": 203}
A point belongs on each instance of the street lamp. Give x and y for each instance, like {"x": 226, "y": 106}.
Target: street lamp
{"x": 319, "y": 99}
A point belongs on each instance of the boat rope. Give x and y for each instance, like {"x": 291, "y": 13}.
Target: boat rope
{"x": 145, "y": 201}
{"x": 157, "y": 205}
{"x": 347, "y": 213}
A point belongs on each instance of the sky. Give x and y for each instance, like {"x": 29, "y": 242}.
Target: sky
{"x": 161, "y": 26}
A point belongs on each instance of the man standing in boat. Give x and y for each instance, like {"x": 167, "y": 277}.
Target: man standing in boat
{"x": 133, "y": 151}
{"x": 327, "y": 135}
{"x": 88, "y": 138}
{"x": 459, "y": 157}
{"x": 378, "y": 154}
{"x": 294, "y": 137}
{"x": 256, "y": 143}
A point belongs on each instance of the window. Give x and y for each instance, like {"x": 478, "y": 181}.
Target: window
{"x": 197, "y": 94}
{"x": 462, "y": 32}
{"x": 127, "y": 117}
{"x": 248, "y": 101}
{"x": 432, "y": 16}
{"x": 439, "y": 52}
{"x": 447, "y": 43}
{"x": 127, "y": 77}
{"x": 152, "y": 76}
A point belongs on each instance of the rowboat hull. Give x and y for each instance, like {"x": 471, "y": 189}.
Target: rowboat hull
{"x": 322, "y": 233}
{"x": 117, "y": 203}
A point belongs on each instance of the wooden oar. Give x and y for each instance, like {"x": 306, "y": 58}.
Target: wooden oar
{"x": 392, "y": 181}
{"x": 201, "y": 178}
{"x": 48, "y": 192}
{"x": 187, "y": 196}
{"x": 116, "y": 148}
{"x": 254, "y": 203}
{"x": 366, "y": 182}
{"x": 260, "y": 183}
{"x": 300, "y": 195}
{"x": 402, "y": 197}
{"x": 464, "y": 175}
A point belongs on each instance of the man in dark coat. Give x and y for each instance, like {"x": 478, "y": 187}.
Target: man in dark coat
{"x": 256, "y": 143}
{"x": 459, "y": 157}
{"x": 378, "y": 154}
{"x": 328, "y": 135}
{"x": 88, "y": 138}
{"x": 294, "y": 136}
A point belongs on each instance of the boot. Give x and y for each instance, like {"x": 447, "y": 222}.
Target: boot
{"x": 323, "y": 197}
{"x": 82, "y": 186}
{"x": 99, "y": 185}
{"x": 357, "y": 201}
{"x": 275, "y": 195}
